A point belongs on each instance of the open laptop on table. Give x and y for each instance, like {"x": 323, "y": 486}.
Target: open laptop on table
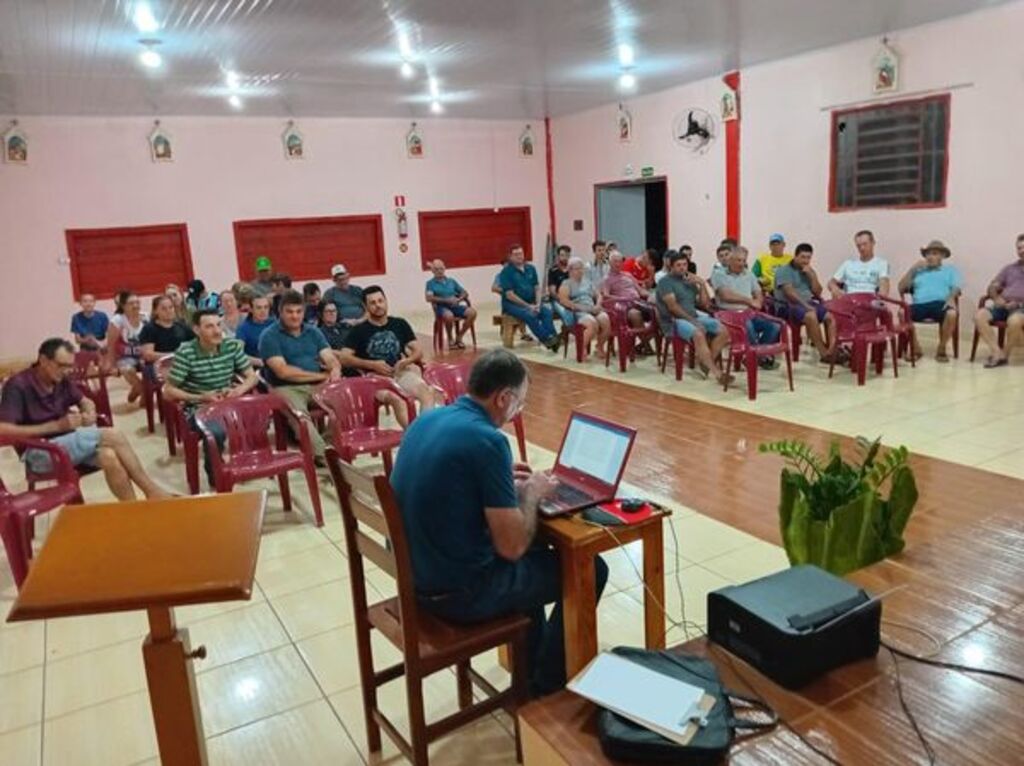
{"x": 590, "y": 464}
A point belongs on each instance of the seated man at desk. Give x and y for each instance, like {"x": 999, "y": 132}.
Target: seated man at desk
{"x": 473, "y": 555}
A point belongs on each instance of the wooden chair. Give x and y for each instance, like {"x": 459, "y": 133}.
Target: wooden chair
{"x": 427, "y": 643}
{"x": 509, "y": 327}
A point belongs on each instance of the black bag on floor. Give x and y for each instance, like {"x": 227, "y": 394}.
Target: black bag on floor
{"x": 622, "y": 739}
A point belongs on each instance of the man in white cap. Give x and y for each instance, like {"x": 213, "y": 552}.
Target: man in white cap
{"x": 346, "y": 296}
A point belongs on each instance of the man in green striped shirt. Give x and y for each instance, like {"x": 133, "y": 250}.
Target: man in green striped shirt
{"x": 209, "y": 369}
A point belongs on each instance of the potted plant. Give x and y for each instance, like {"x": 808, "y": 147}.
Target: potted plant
{"x": 832, "y": 513}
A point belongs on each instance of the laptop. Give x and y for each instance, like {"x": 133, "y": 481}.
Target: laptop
{"x": 590, "y": 464}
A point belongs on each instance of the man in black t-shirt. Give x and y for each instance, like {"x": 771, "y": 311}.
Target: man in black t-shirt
{"x": 556, "y": 275}
{"x": 387, "y": 346}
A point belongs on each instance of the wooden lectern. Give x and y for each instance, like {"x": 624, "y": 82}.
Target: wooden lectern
{"x": 152, "y": 555}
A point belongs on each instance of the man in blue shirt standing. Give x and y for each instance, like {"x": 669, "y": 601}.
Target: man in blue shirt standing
{"x": 521, "y": 298}
{"x": 450, "y": 301}
{"x": 89, "y": 326}
{"x": 935, "y": 286}
{"x": 472, "y": 547}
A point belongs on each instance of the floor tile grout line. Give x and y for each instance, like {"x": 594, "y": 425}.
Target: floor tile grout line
{"x": 42, "y": 704}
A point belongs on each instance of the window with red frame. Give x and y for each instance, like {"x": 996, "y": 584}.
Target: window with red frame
{"x": 139, "y": 258}
{"x": 890, "y": 155}
{"x": 478, "y": 237}
{"x": 306, "y": 248}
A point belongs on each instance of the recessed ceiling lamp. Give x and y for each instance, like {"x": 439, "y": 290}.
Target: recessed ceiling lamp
{"x": 626, "y": 56}
{"x": 235, "y": 101}
{"x": 435, "y": 88}
{"x": 407, "y": 70}
{"x": 436, "y": 107}
{"x": 144, "y": 19}
{"x": 232, "y": 79}
{"x": 149, "y": 57}
{"x": 627, "y": 81}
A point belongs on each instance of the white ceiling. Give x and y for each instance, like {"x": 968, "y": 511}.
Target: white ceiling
{"x": 492, "y": 58}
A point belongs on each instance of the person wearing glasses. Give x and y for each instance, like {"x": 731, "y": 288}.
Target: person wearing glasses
{"x": 42, "y": 402}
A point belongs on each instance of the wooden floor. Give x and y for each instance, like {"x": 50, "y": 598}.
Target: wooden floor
{"x": 960, "y": 579}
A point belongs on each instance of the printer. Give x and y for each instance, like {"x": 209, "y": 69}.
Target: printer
{"x": 796, "y": 624}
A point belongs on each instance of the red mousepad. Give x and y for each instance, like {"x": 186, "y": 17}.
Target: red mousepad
{"x": 615, "y": 509}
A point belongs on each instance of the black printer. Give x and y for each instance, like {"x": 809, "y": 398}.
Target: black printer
{"x": 796, "y": 624}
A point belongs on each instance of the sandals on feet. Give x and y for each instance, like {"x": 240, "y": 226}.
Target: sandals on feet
{"x": 993, "y": 362}
{"x": 941, "y": 358}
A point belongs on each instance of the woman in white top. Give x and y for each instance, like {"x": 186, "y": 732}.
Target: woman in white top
{"x": 232, "y": 316}
{"x": 578, "y": 294}
{"x": 125, "y": 352}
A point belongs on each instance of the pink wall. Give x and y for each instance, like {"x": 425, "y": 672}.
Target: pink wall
{"x": 97, "y": 173}
{"x": 785, "y": 151}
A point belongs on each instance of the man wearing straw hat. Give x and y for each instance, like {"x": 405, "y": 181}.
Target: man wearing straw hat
{"x": 935, "y": 286}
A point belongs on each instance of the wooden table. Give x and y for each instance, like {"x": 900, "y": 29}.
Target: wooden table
{"x": 152, "y": 555}
{"x": 578, "y": 543}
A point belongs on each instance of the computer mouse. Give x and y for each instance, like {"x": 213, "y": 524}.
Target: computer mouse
{"x": 632, "y": 504}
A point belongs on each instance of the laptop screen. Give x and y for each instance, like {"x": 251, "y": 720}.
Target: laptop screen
{"x": 595, "y": 448}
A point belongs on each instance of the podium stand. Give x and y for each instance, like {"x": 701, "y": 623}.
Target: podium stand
{"x": 152, "y": 555}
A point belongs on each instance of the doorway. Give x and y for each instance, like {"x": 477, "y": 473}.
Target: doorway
{"x": 633, "y": 214}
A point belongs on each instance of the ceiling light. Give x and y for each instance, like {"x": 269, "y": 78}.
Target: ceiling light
{"x": 626, "y": 55}
{"x": 435, "y": 107}
{"x": 404, "y": 46}
{"x": 408, "y": 71}
{"x": 144, "y": 19}
{"x": 232, "y": 79}
{"x": 435, "y": 88}
{"x": 235, "y": 101}
{"x": 150, "y": 58}
{"x": 627, "y": 81}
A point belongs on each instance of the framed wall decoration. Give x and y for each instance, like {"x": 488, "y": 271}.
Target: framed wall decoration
{"x": 293, "y": 142}
{"x": 15, "y": 145}
{"x": 526, "y": 143}
{"x": 625, "y": 122}
{"x": 730, "y": 105}
{"x": 414, "y": 149}
{"x": 160, "y": 147}
{"x": 885, "y": 69}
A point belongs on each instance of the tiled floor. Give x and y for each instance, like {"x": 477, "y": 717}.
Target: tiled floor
{"x": 280, "y": 682}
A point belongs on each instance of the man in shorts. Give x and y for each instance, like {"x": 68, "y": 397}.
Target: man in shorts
{"x": 42, "y": 402}
{"x": 451, "y": 302}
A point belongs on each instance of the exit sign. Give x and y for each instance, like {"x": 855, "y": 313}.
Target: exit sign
{"x": 647, "y": 172}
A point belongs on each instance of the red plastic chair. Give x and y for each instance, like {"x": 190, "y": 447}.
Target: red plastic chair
{"x": 450, "y": 380}
{"x": 864, "y": 323}
{"x": 248, "y": 452}
{"x": 742, "y": 350}
{"x": 153, "y": 376}
{"x": 439, "y": 334}
{"x": 907, "y": 345}
{"x": 576, "y": 332}
{"x": 90, "y": 380}
{"x": 626, "y": 337}
{"x": 680, "y": 349}
{"x": 353, "y": 417}
{"x": 774, "y": 307}
{"x": 999, "y": 326}
{"x": 19, "y": 510}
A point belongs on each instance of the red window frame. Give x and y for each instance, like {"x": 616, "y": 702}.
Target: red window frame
{"x": 152, "y": 285}
{"x": 476, "y": 249}
{"x": 357, "y": 266}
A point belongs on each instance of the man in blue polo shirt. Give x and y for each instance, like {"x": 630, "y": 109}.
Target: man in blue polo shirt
{"x": 450, "y": 301}
{"x": 472, "y": 546}
{"x": 89, "y": 326}
{"x": 297, "y": 358}
{"x": 521, "y": 298}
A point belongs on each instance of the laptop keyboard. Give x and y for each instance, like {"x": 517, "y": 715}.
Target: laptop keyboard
{"x": 565, "y": 496}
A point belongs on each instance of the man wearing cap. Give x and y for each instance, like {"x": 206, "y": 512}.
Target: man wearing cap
{"x": 1007, "y": 294}
{"x": 935, "y": 286}
{"x": 263, "y": 284}
{"x": 867, "y": 273}
{"x": 766, "y": 263}
{"x": 347, "y": 297}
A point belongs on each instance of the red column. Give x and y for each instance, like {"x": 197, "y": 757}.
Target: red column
{"x": 732, "y": 162}
{"x": 551, "y": 179}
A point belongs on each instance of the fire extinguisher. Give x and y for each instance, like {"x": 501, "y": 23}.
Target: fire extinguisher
{"x": 403, "y": 223}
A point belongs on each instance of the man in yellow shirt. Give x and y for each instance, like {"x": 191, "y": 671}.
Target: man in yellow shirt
{"x": 766, "y": 263}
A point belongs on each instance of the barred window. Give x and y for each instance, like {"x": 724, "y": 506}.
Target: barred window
{"x": 890, "y": 155}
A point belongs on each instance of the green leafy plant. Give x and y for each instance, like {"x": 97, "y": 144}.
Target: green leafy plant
{"x": 832, "y": 512}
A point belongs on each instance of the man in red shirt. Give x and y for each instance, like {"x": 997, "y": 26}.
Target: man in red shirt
{"x": 42, "y": 402}
{"x": 641, "y": 269}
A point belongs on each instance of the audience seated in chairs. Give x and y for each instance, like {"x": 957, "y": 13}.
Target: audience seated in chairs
{"x": 867, "y": 273}
{"x": 935, "y": 287}
{"x": 737, "y": 289}
{"x": 556, "y": 275}
{"x": 255, "y": 324}
{"x": 174, "y": 292}
{"x": 578, "y": 298}
{"x": 524, "y": 334}
{"x": 387, "y": 346}
{"x": 89, "y": 326}
{"x": 208, "y": 368}
{"x": 522, "y": 298}
{"x": 641, "y": 269}
{"x": 123, "y": 345}
{"x": 311, "y": 294}
{"x": 346, "y": 296}
{"x": 1007, "y": 294}
{"x": 164, "y": 333}
{"x": 450, "y": 302}
{"x": 333, "y": 330}
{"x": 678, "y": 296}
{"x": 263, "y": 284}
{"x": 598, "y": 269}
{"x": 42, "y": 401}
{"x": 231, "y": 314}
{"x": 721, "y": 259}
{"x": 479, "y": 560}
{"x": 798, "y": 300}
{"x": 622, "y": 287}
{"x": 297, "y": 357}
{"x": 767, "y": 263}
